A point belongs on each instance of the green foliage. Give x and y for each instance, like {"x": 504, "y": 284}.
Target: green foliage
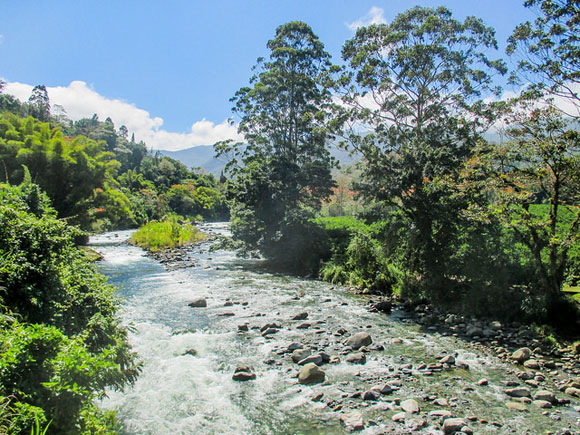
{"x": 281, "y": 173}
{"x": 170, "y": 233}
{"x": 540, "y": 164}
{"x": 547, "y": 51}
{"x": 68, "y": 170}
{"x": 62, "y": 344}
{"x": 357, "y": 257}
{"x": 425, "y": 74}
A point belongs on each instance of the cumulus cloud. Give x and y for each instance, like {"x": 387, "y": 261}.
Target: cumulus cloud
{"x": 374, "y": 16}
{"x": 80, "y": 101}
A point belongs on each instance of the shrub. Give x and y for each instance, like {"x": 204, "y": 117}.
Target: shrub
{"x": 168, "y": 234}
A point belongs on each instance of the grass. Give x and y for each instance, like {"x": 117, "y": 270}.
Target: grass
{"x": 169, "y": 234}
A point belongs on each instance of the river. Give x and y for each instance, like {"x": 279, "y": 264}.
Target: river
{"x": 193, "y": 393}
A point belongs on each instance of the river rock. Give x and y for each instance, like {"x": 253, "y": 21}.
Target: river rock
{"x": 300, "y": 316}
{"x": 532, "y": 364}
{"x": 410, "y": 405}
{"x": 473, "y": 330}
{"x": 522, "y": 355}
{"x": 382, "y": 307}
{"x": 399, "y": 416}
{"x": 270, "y": 326}
{"x": 243, "y": 373}
{"x": 572, "y": 391}
{"x": 269, "y": 331}
{"x": 243, "y": 327}
{"x": 515, "y": 406}
{"x": 518, "y": 392}
{"x": 453, "y": 425}
{"x": 352, "y": 421}
{"x": 294, "y": 346}
{"x": 545, "y": 395}
{"x": 317, "y": 397}
{"x": 311, "y": 374}
{"x": 371, "y": 395}
{"x": 316, "y": 359}
{"x": 359, "y": 340}
{"x": 198, "y": 303}
{"x": 191, "y": 352}
{"x": 544, "y": 404}
{"x": 445, "y": 413}
{"x": 300, "y": 354}
{"x": 449, "y": 359}
{"x": 441, "y": 402}
{"x": 356, "y": 358}
{"x": 386, "y": 389}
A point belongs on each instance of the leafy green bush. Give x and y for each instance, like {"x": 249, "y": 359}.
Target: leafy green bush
{"x": 61, "y": 343}
{"x": 156, "y": 236}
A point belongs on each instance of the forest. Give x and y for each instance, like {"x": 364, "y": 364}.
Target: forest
{"x": 443, "y": 215}
{"x": 434, "y": 211}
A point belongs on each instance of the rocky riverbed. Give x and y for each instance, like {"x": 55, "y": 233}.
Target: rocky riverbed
{"x": 284, "y": 355}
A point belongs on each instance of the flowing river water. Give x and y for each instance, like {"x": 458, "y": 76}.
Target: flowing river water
{"x": 193, "y": 393}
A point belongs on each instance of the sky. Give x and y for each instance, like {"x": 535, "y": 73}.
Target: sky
{"x": 167, "y": 69}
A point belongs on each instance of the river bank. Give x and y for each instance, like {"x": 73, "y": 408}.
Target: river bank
{"x": 408, "y": 377}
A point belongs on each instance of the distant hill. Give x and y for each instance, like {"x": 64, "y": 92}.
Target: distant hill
{"x": 202, "y": 156}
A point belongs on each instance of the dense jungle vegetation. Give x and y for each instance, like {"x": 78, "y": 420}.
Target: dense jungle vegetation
{"x": 433, "y": 212}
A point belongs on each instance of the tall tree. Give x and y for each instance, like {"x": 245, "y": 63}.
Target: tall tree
{"x": 548, "y": 50}
{"x": 282, "y": 171}
{"x": 413, "y": 94}
{"x": 40, "y": 103}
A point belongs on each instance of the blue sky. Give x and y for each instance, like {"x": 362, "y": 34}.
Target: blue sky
{"x": 167, "y": 69}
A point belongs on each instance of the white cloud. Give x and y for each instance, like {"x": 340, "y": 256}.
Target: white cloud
{"x": 80, "y": 101}
{"x": 374, "y": 16}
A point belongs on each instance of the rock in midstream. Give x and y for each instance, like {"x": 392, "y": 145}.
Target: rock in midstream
{"x": 311, "y": 374}
{"x": 243, "y": 373}
{"x": 358, "y": 340}
{"x": 198, "y": 303}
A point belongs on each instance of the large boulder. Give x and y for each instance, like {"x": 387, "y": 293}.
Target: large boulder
{"x": 311, "y": 374}
{"x": 359, "y": 340}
